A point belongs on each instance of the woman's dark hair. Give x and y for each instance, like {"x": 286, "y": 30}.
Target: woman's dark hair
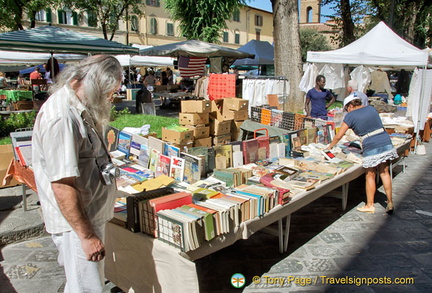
{"x": 355, "y": 103}
{"x": 319, "y": 77}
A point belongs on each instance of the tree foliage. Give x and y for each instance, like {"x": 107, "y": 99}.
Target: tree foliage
{"x": 312, "y": 40}
{"x": 12, "y": 12}
{"x": 202, "y": 20}
{"x": 108, "y": 12}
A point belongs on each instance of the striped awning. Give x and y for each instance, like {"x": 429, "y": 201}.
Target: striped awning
{"x": 58, "y": 40}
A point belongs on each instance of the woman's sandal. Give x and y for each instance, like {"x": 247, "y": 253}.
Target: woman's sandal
{"x": 364, "y": 209}
{"x": 390, "y": 208}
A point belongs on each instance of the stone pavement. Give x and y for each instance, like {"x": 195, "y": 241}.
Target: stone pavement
{"x": 324, "y": 241}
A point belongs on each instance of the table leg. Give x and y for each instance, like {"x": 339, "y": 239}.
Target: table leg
{"x": 281, "y": 236}
{"x": 24, "y": 196}
{"x": 345, "y": 195}
{"x": 286, "y": 234}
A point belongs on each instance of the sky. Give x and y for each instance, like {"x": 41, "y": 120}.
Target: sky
{"x": 266, "y": 5}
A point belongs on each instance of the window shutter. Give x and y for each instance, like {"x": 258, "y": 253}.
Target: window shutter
{"x": 60, "y": 16}
{"x": 48, "y": 15}
{"x": 75, "y": 18}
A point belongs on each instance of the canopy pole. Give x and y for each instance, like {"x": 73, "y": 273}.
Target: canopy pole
{"x": 52, "y": 73}
{"x": 420, "y": 114}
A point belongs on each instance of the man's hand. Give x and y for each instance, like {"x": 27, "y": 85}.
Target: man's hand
{"x": 94, "y": 248}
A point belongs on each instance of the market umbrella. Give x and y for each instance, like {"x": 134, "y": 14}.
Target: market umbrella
{"x": 194, "y": 48}
{"x": 58, "y": 40}
{"x": 263, "y": 51}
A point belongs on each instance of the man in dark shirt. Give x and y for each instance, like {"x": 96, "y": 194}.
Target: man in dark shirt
{"x": 144, "y": 102}
{"x": 316, "y": 99}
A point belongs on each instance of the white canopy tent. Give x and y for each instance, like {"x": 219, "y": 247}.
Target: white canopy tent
{"x": 12, "y": 58}
{"x": 155, "y": 61}
{"x": 384, "y": 48}
{"x": 380, "y": 47}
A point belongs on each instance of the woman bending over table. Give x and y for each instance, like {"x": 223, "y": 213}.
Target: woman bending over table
{"x": 377, "y": 148}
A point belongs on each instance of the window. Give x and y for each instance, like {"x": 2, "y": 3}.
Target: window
{"x": 257, "y": 35}
{"x": 155, "y": 3}
{"x": 237, "y": 37}
{"x": 309, "y": 14}
{"x": 91, "y": 19}
{"x": 225, "y": 37}
{"x": 153, "y": 26}
{"x": 66, "y": 16}
{"x": 258, "y": 20}
{"x": 40, "y": 15}
{"x": 236, "y": 16}
{"x": 170, "y": 29}
{"x": 134, "y": 23}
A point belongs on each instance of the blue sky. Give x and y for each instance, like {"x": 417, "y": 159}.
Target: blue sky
{"x": 266, "y": 5}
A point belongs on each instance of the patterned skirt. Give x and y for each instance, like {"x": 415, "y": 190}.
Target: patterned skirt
{"x": 374, "y": 159}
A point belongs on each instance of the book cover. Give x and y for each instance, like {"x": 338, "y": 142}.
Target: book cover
{"x": 311, "y": 135}
{"x": 263, "y": 148}
{"x": 136, "y": 142}
{"x": 163, "y": 166}
{"x": 177, "y": 168}
{"x": 124, "y": 143}
{"x": 172, "y": 230}
{"x": 303, "y": 137}
{"x": 250, "y": 151}
{"x": 223, "y": 156}
{"x": 203, "y": 153}
{"x": 171, "y": 151}
{"x": 153, "y": 160}
{"x": 156, "y": 143}
{"x": 214, "y": 213}
{"x": 144, "y": 154}
{"x": 192, "y": 170}
{"x": 110, "y": 136}
{"x": 230, "y": 176}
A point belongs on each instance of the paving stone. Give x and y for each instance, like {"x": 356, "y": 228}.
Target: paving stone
{"x": 380, "y": 248}
{"x": 320, "y": 265}
{"x": 44, "y": 256}
{"x": 289, "y": 266}
{"x": 25, "y": 271}
{"x": 324, "y": 250}
{"x": 332, "y": 237}
{"x": 420, "y": 246}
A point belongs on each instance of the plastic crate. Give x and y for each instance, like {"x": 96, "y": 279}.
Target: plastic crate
{"x": 299, "y": 121}
{"x": 255, "y": 114}
{"x": 308, "y": 122}
{"x": 266, "y": 116}
{"x": 276, "y": 118}
{"x": 288, "y": 121}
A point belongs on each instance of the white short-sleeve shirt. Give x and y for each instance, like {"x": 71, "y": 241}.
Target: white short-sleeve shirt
{"x": 64, "y": 145}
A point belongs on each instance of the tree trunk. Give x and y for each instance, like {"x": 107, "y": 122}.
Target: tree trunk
{"x": 413, "y": 9}
{"x": 348, "y": 25}
{"x": 287, "y": 58}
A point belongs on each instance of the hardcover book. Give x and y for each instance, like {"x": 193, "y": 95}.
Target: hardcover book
{"x": 136, "y": 142}
{"x": 156, "y": 143}
{"x": 177, "y": 168}
{"x": 223, "y": 156}
{"x": 250, "y": 151}
{"x": 163, "y": 166}
{"x": 171, "y": 151}
{"x": 153, "y": 160}
{"x": 149, "y": 208}
{"x": 192, "y": 169}
{"x": 111, "y": 137}
{"x": 124, "y": 142}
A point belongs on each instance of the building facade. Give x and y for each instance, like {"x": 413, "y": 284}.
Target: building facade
{"x": 157, "y": 28}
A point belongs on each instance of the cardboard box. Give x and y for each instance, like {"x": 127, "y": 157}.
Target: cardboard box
{"x": 218, "y": 127}
{"x": 238, "y": 115}
{"x": 177, "y": 137}
{"x": 6, "y": 156}
{"x": 184, "y": 147}
{"x": 235, "y": 125}
{"x": 200, "y": 131}
{"x": 235, "y": 104}
{"x": 222, "y": 139}
{"x": 201, "y": 106}
{"x": 207, "y": 142}
{"x": 193, "y": 119}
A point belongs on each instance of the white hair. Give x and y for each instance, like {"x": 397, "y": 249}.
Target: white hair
{"x": 99, "y": 75}
{"x": 353, "y": 84}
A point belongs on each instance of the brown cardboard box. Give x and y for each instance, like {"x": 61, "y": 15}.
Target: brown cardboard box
{"x": 200, "y": 131}
{"x": 183, "y": 147}
{"x": 193, "y": 119}
{"x": 201, "y": 106}
{"x": 237, "y": 115}
{"x": 219, "y": 127}
{"x": 177, "y": 137}
{"x": 235, "y": 104}
{"x": 207, "y": 142}
{"x": 235, "y": 125}
{"x": 222, "y": 139}
{"x": 6, "y": 155}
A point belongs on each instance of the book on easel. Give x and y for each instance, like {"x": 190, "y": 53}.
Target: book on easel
{"x": 124, "y": 143}
{"x": 111, "y": 137}
{"x": 192, "y": 169}
{"x": 177, "y": 168}
{"x": 223, "y": 156}
{"x": 250, "y": 151}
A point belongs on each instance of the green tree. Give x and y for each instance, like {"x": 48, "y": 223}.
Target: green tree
{"x": 312, "y": 40}
{"x": 411, "y": 19}
{"x": 108, "y": 12}
{"x": 202, "y": 20}
{"x": 287, "y": 58}
{"x": 12, "y": 12}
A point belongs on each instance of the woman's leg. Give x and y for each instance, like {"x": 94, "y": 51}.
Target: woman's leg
{"x": 370, "y": 186}
{"x": 384, "y": 172}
